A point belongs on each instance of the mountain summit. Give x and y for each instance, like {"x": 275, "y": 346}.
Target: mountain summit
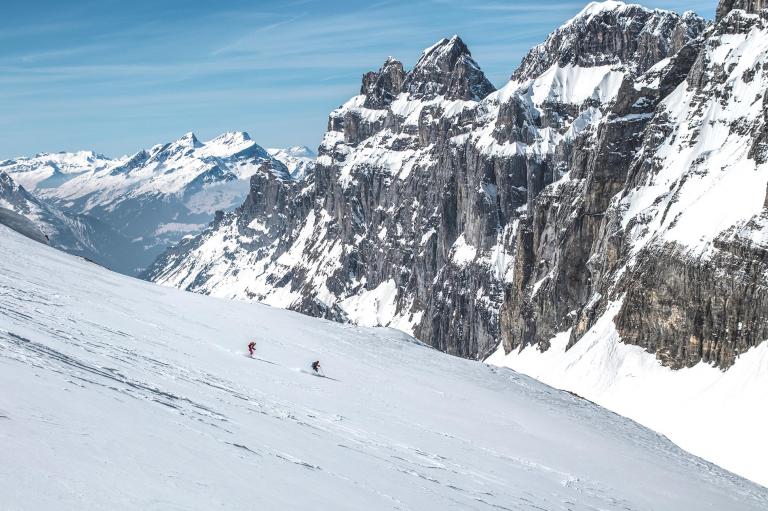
{"x": 612, "y": 33}
{"x": 447, "y": 69}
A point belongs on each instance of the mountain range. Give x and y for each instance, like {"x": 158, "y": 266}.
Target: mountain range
{"x": 600, "y": 221}
{"x": 152, "y": 199}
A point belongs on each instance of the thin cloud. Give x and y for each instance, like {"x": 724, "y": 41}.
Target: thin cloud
{"x": 245, "y": 40}
{"x": 527, "y": 7}
{"x": 72, "y": 75}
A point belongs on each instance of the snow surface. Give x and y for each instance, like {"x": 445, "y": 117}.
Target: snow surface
{"x": 462, "y": 253}
{"x": 119, "y": 394}
{"x": 575, "y": 84}
{"x": 593, "y": 9}
{"x": 719, "y": 415}
{"x": 374, "y": 307}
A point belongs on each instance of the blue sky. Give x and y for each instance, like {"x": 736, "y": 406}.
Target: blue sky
{"x": 116, "y": 76}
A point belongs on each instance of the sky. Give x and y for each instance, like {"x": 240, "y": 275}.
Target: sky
{"x": 117, "y": 76}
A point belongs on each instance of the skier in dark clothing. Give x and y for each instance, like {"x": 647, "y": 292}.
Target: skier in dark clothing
{"x": 316, "y": 366}
{"x": 252, "y": 347}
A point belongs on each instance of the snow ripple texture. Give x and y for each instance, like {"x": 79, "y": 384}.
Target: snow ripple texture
{"x": 120, "y": 394}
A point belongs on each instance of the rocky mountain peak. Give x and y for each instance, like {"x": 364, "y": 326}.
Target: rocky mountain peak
{"x": 613, "y": 33}
{"x": 750, "y": 6}
{"x": 380, "y": 88}
{"x": 7, "y": 185}
{"x": 447, "y": 69}
{"x": 189, "y": 140}
{"x": 134, "y": 162}
{"x": 14, "y": 196}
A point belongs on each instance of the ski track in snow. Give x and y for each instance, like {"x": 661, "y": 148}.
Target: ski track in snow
{"x": 119, "y": 394}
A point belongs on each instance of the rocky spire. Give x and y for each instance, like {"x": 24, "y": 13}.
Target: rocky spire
{"x": 382, "y": 87}
{"x": 447, "y": 69}
{"x": 750, "y": 6}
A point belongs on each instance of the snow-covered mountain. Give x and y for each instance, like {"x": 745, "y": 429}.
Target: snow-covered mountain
{"x": 618, "y": 179}
{"x": 118, "y": 394}
{"x": 300, "y": 160}
{"x": 155, "y": 197}
{"x": 656, "y": 242}
{"x": 82, "y": 235}
{"x": 410, "y": 216}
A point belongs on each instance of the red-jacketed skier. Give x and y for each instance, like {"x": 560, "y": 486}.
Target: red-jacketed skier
{"x": 251, "y": 347}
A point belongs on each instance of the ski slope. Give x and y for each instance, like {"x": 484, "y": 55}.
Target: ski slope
{"x": 120, "y": 394}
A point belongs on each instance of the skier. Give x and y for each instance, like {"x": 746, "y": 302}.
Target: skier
{"x": 316, "y": 366}
{"x": 251, "y": 347}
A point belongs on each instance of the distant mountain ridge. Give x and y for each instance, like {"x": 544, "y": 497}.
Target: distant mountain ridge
{"x": 156, "y": 196}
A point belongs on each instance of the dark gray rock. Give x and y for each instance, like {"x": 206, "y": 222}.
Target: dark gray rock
{"x": 447, "y": 69}
{"x": 686, "y": 310}
{"x": 576, "y": 253}
{"x": 381, "y": 88}
{"x": 630, "y": 35}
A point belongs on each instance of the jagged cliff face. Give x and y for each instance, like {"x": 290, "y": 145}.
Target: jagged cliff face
{"x": 611, "y": 33}
{"x": 662, "y": 212}
{"x": 438, "y": 202}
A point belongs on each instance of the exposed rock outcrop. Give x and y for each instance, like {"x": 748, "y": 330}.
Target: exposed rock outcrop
{"x": 381, "y": 88}
{"x": 436, "y": 201}
{"x": 611, "y": 33}
{"x": 447, "y": 69}
{"x": 749, "y": 6}
{"x": 663, "y": 218}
